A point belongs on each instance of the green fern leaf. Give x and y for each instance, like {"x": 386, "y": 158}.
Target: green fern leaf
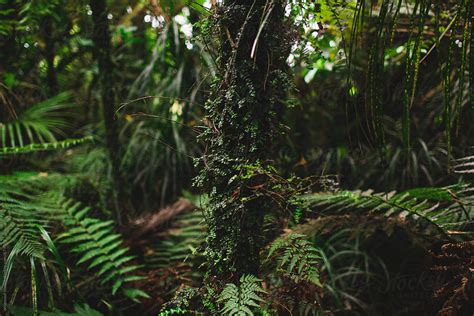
{"x": 239, "y": 300}
{"x": 101, "y": 248}
{"x": 296, "y": 258}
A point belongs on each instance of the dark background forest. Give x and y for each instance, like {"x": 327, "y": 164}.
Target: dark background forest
{"x": 236, "y": 157}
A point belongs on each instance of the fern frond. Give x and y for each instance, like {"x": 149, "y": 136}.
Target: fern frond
{"x": 25, "y": 215}
{"x": 100, "y": 247}
{"x": 18, "y": 228}
{"x": 464, "y": 165}
{"x": 241, "y": 299}
{"x": 297, "y": 258}
{"x": 173, "y": 311}
{"x": 178, "y": 242}
{"x": 44, "y": 146}
{"x": 22, "y": 210}
{"x": 439, "y": 207}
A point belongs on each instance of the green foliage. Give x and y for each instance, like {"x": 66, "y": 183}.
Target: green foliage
{"x": 25, "y": 211}
{"x": 243, "y": 298}
{"x": 350, "y": 269}
{"x": 7, "y": 23}
{"x": 374, "y": 79}
{"x": 80, "y": 310}
{"x": 298, "y": 213}
{"x": 173, "y": 311}
{"x": 179, "y": 242}
{"x": 98, "y": 244}
{"x": 19, "y": 220}
{"x": 175, "y": 254}
{"x": 297, "y": 258}
{"x": 420, "y": 205}
{"x": 154, "y": 142}
{"x": 44, "y": 146}
{"x": 39, "y": 123}
{"x": 382, "y": 26}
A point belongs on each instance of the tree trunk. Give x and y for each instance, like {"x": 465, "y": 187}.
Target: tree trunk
{"x": 49, "y": 54}
{"x": 101, "y": 39}
{"x": 243, "y": 126}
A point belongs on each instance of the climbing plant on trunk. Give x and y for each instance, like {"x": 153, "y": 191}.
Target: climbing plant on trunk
{"x": 243, "y": 125}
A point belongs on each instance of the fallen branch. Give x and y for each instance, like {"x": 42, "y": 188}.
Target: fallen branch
{"x": 152, "y": 222}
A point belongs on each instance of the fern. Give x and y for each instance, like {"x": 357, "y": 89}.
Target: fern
{"x": 23, "y": 207}
{"x": 464, "y": 165}
{"x": 297, "y": 258}
{"x": 178, "y": 242}
{"x": 439, "y": 207}
{"x": 18, "y": 223}
{"x": 241, "y": 299}
{"x": 25, "y": 213}
{"x": 44, "y": 146}
{"x": 98, "y": 245}
{"x": 172, "y": 255}
{"x": 173, "y": 311}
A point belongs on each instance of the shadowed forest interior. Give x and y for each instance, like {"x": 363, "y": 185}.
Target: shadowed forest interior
{"x": 236, "y": 157}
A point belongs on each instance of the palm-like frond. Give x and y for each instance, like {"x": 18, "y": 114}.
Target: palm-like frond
{"x": 40, "y": 123}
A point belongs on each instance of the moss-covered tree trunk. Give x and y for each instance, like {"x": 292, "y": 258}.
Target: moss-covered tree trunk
{"x": 243, "y": 127}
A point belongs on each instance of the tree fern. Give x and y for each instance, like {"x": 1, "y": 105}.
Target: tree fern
{"x": 297, "y": 258}
{"x": 241, "y": 299}
{"x": 99, "y": 246}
